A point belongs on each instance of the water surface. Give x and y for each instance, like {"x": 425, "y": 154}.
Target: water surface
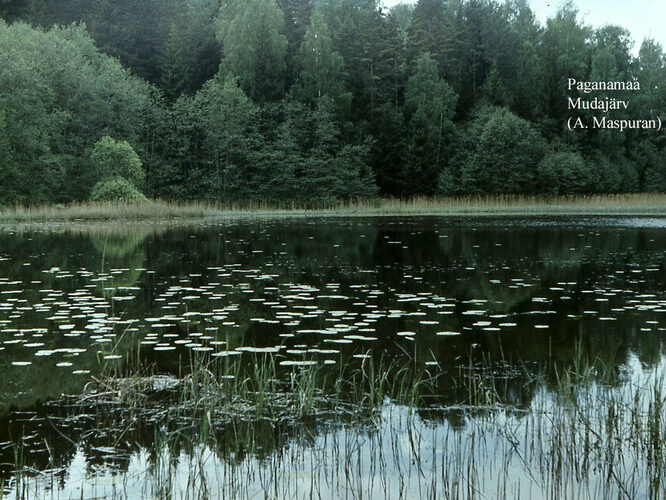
{"x": 525, "y": 297}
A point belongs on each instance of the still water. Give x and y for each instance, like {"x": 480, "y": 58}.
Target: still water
{"x": 484, "y": 322}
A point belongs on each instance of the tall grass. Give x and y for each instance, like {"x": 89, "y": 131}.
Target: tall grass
{"x": 584, "y": 438}
{"x": 250, "y": 387}
{"x": 643, "y": 203}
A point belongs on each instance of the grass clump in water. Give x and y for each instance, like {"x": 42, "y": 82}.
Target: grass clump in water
{"x": 252, "y": 425}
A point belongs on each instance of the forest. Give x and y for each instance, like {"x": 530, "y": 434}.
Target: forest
{"x": 311, "y": 101}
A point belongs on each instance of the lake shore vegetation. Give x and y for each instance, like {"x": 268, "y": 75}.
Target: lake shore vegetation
{"x": 317, "y": 103}
{"x": 640, "y": 204}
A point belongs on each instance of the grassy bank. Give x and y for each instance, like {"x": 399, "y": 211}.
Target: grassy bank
{"x": 622, "y": 204}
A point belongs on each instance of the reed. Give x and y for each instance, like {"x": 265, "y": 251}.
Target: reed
{"x": 607, "y": 204}
{"x": 220, "y": 431}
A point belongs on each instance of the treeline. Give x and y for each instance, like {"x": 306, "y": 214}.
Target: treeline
{"x": 311, "y": 100}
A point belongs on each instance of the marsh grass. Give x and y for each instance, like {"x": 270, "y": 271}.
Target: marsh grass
{"x": 246, "y": 427}
{"x": 20, "y": 470}
{"x": 242, "y": 397}
{"x": 255, "y": 386}
{"x": 616, "y": 204}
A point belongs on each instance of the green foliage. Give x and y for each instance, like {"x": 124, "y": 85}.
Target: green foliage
{"x": 305, "y": 159}
{"x": 115, "y": 189}
{"x": 506, "y": 155}
{"x": 565, "y": 52}
{"x": 361, "y": 36}
{"x": 650, "y": 165}
{"x": 296, "y": 20}
{"x": 613, "y": 174}
{"x": 314, "y": 100}
{"x": 331, "y": 169}
{"x": 320, "y": 66}
{"x": 430, "y": 106}
{"x": 564, "y": 173}
{"x": 59, "y": 95}
{"x": 494, "y": 91}
{"x": 527, "y": 88}
{"x": 221, "y": 120}
{"x": 232, "y": 149}
{"x": 29, "y": 119}
{"x": 119, "y": 170}
{"x": 191, "y": 54}
{"x": 117, "y": 159}
{"x": 430, "y": 32}
{"x": 387, "y": 148}
{"x": 253, "y": 45}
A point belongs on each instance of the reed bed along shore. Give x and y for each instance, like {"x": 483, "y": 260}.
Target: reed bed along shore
{"x": 618, "y": 204}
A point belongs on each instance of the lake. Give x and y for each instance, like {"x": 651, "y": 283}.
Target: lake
{"x": 432, "y": 357}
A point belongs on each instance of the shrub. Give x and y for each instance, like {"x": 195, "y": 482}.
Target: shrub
{"x": 113, "y": 158}
{"x": 116, "y": 189}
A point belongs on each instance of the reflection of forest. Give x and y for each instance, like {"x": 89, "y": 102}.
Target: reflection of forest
{"x": 37, "y": 261}
{"x": 123, "y": 251}
{"x": 566, "y": 276}
{"x": 54, "y": 437}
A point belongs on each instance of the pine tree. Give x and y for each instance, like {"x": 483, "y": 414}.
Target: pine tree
{"x": 296, "y": 21}
{"x": 254, "y": 47}
{"x": 429, "y": 105}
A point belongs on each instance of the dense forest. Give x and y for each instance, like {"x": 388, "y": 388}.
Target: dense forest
{"x": 315, "y": 100}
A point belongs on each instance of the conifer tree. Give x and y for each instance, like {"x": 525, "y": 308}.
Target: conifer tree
{"x": 254, "y": 47}
{"x": 430, "y": 105}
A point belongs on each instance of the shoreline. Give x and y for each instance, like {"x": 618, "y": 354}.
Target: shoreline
{"x": 597, "y": 205}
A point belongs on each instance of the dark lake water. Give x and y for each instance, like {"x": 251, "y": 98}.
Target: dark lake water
{"x": 517, "y": 301}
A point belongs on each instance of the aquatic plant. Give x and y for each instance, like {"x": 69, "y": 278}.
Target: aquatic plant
{"x": 618, "y": 204}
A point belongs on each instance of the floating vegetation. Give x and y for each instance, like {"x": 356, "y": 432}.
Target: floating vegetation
{"x": 255, "y": 347}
